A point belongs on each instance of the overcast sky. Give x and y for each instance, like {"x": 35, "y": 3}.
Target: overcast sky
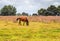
{"x": 29, "y": 6}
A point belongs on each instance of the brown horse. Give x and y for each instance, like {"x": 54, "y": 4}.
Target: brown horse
{"x": 23, "y": 19}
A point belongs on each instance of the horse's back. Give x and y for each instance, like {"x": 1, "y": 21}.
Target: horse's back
{"x": 23, "y": 17}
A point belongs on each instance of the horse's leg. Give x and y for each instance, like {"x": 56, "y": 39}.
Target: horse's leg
{"x": 19, "y": 22}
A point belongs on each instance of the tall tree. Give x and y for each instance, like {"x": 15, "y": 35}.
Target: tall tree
{"x": 58, "y": 10}
{"x": 25, "y": 14}
{"x": 8, "y": 10}
{"x": 41, "y": 11}
{"x": 53, "y": 9}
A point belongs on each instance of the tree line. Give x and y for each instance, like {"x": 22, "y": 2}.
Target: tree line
{"x": 52, "y": 10}
{"x": 9, "y": 10}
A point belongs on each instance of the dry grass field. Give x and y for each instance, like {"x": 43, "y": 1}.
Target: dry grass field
{"x": 33, "y": 18}
{"x": 36, "y": 31}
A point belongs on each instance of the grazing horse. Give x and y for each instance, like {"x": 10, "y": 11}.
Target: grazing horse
{"x": 23, "y": 19}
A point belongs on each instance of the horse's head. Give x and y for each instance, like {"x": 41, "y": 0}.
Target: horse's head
{"x": 27, "y": 22}
{"x": 17, "y": 19}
